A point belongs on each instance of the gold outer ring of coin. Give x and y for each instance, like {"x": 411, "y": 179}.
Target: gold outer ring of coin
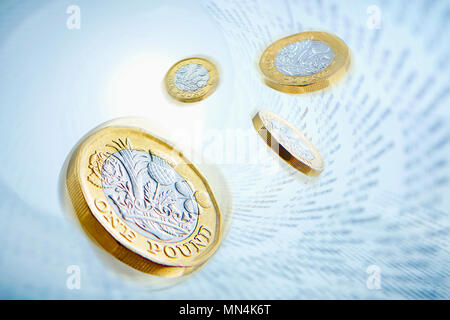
{"x": 312, "y": 168}
{"x": 197, "y": 95}
{"x": 301, "y": 84}
{"x": 108, "y": 228}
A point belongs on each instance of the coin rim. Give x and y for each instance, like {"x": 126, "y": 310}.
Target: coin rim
{"x": 197, "y": 95}
{"x": 298, "y": 89}
{"x": 82, "y": 193}
{"x": 332, "y": 73}
{"x": 301, "y": 164}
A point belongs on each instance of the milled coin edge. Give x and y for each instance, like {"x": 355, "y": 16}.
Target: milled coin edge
{"x": 97, "y": 232}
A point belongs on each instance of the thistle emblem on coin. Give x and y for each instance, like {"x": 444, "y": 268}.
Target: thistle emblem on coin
{"x": 146, "y": 191}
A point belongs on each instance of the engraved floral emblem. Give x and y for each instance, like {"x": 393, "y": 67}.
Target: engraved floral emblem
{"x": 191, "y": 77}
{"x": 288, "y": 139}
{"x": 146, "y": 191}
{"x": 303, "y": 58}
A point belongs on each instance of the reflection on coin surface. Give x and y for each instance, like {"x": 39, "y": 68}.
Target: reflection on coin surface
{"x": 304, "y": 62}
{"x": 288, "y": 142}
{"x": 142, "y": 200}
{"x": 162, "y": 205}
{"x": 191, "y": 80}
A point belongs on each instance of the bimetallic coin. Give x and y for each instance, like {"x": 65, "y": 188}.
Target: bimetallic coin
{"x": 288, "y": 143}
{"x": 142, "y": 200}
{"x": 304, "y": 62}
{"x": 192, "y": 79}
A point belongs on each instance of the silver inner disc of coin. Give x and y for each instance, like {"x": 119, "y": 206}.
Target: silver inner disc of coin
{"x": 191, "y": 77}
{"x": 303, "y": 58}
{"x": 289, "y": 140}
{"x": 151, "y": 197}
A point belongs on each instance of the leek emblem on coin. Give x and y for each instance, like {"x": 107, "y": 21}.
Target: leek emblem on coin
{"x": 304, "y": 62}
{"x": 289, "y": 143}
{"x": 191, "y": 80}
{"x": 146, "y": 196}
